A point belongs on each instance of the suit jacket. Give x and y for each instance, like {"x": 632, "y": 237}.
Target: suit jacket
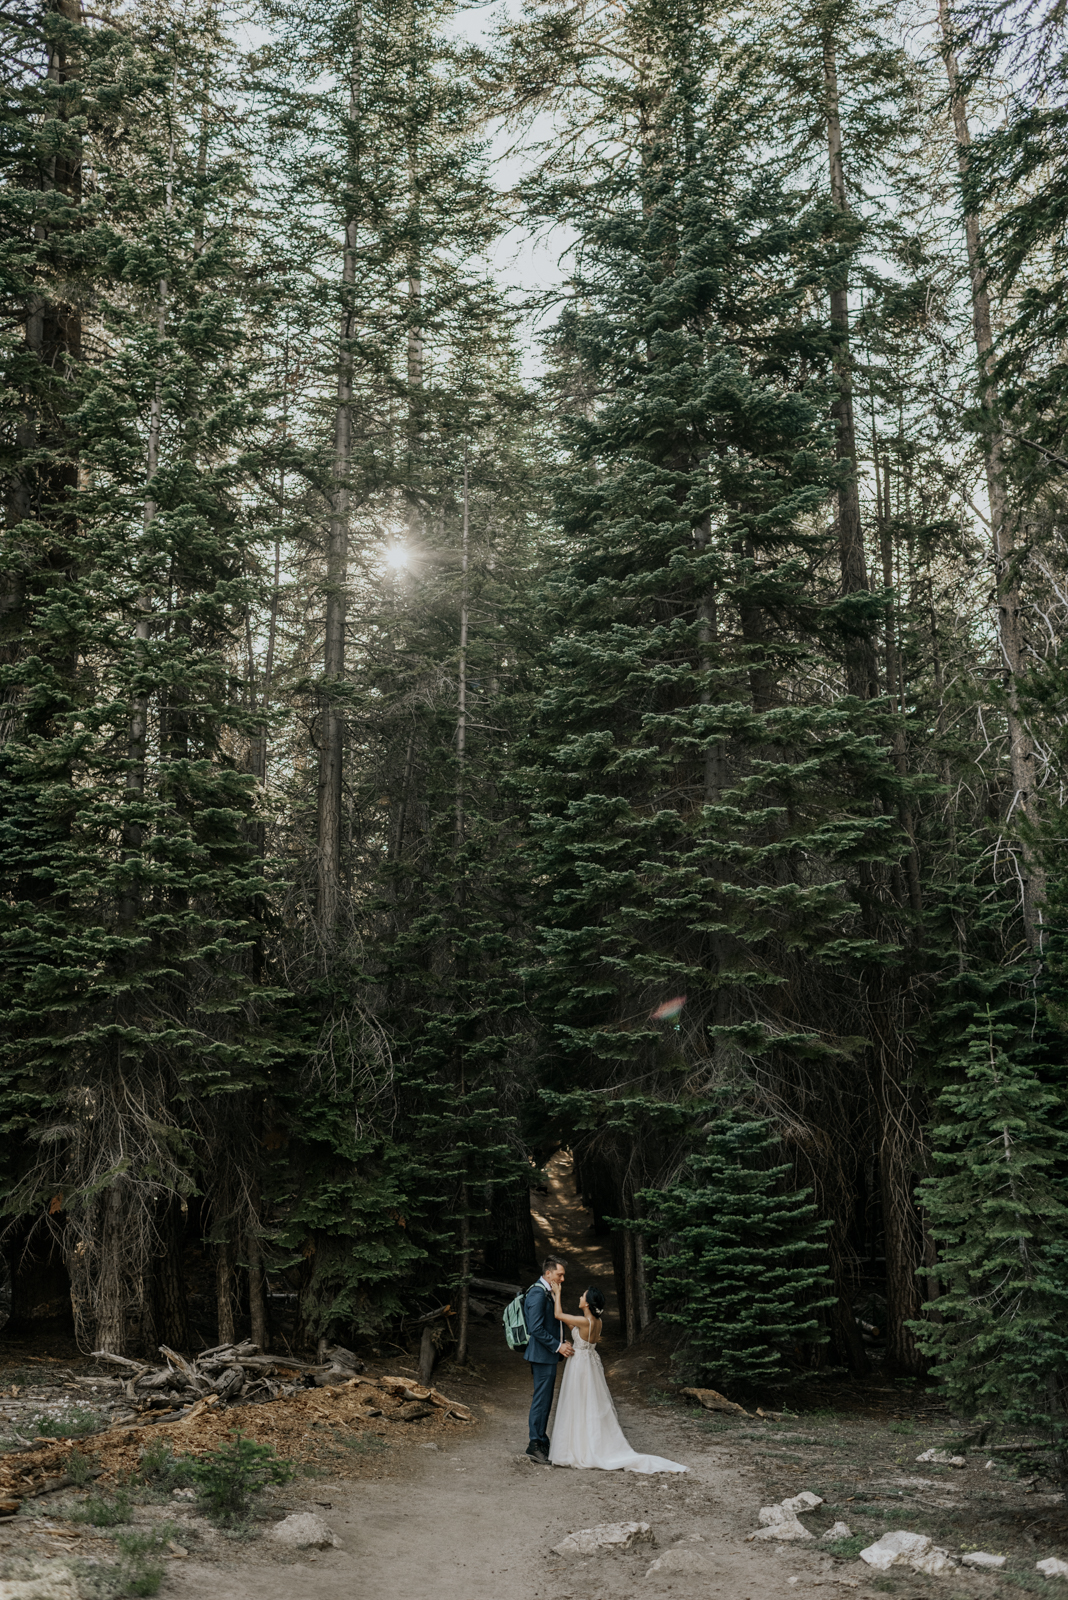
{"x": 544, "y": 1331}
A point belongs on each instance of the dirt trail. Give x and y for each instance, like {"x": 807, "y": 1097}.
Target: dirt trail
{"x": 476, "y": 1520}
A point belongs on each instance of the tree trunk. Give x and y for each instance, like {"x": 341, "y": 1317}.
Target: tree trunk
{"x": 331, "y": 716}
{"x": 171, "y": 1299}
{"x": 899, "y": 1151}
{"x": 1002, "y": 517}
{"x": 108, "y": 1291}
{"x": 630, "y": 1287}
{"x": 464, "y": 1319}
{"x": 257, "y": 1300}
{"x": 860, "y": 664}
{"x": 224, "y": 1291}
{"x": 895, "y": 684}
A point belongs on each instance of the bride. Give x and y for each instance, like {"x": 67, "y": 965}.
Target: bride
{"x": 586, "y": 1432}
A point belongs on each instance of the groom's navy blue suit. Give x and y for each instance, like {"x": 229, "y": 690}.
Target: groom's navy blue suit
{"x": 545, "y": 1336}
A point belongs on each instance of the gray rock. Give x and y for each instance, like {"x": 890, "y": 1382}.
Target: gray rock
{"x": 304, "y": 1530}
{"x": 682, "y": 1558}
{"x": 981, "y": 1558}
{"x": 606, "y": 1536}
{"x": 840, "y": 1530}
{"x": 899, "y": 1548}
{"x": 1052, "y": 1567}
{"x": 778, "y": 1523}
{"x": 942, "y": 1458}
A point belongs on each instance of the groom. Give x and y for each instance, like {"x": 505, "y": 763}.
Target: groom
{"x": 546, "y": 1348}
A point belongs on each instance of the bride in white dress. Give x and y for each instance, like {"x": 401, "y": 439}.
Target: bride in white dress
{"x": 586, "y": 1432}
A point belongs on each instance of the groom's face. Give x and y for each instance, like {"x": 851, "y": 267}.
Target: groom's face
{"x": 555, "y": 1276}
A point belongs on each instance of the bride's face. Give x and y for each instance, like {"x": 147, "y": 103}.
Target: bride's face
{"x": 582, "y": 1304}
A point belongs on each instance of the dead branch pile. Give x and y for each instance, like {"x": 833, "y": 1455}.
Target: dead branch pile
{"x": 392, "y": 1407}
{"x": 231, "y": 1373}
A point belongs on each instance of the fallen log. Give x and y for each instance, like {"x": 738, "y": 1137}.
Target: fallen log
{"x": 509, "y": 1290}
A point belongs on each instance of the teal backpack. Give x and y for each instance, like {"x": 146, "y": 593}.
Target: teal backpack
{"x": 515, "y": 1324}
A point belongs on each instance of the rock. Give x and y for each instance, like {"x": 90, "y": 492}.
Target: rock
{"x": 713, "y": 1401}
{"x": 303, "y": 1530}
{"x": 942, "y": 1458}
{"x": 778, "y": 1523}
{"x": 980, "y": 1558}
{"x": 840, "y": 1530}
{"x": 805, "y": 1501}
{"x": 683, "y": 1558}
{"x": 44, "y": 1582}
{"x": 899, "y": 1548}
{"x": 933, "y": 1561}
{"x": 1052, "y": 1567}
{"x": 606, "y": 1536}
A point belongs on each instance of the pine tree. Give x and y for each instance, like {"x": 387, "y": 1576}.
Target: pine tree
{"x": 128, "y": 999}
{"x": 714, "y": 813}
{"x": 998, "y": 1207}
{"x": 742, "y": 1264}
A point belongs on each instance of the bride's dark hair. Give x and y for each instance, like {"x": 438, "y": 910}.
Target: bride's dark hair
{"x": 595, "y": 1301}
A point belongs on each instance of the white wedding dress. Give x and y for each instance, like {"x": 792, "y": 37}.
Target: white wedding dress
{"x": 586, "y": 1432}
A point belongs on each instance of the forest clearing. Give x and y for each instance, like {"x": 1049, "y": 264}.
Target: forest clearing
{"x": 424, "y": 1510}
{"x": 534, "y": 718}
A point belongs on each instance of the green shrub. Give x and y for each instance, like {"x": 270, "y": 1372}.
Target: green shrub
{"x": 159, "y": 1467}
{"x": 141, "y": 1567}
{"x": 80, "y": 1468}
{"x": 102, "y": 1512}
{"x": 848, "y": 1549}
{"x": 229, "y": 1478}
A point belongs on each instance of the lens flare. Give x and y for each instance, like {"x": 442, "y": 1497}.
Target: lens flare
{"x": 396, "y": 556}
{"x": 669, "y": 1009}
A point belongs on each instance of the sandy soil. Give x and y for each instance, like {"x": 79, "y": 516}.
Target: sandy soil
{"x": 475, "y": 1519}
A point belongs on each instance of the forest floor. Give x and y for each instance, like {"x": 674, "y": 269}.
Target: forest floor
{"x": 436, "y": 1510}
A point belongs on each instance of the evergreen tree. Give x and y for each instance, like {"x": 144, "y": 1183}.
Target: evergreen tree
{"x": 128, "y": 1000}
{"x": 998, "y": 1207}
{"x": 742, "y": 1263}
{"x": 714, "y": 814}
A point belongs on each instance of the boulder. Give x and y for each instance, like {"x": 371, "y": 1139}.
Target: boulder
{"x": 942, "y": 1458}
{"x": 1052, "y": 1567}
{"x": 840, "y": 1530}
{"x": 899, "y": 1548}
{"x": 304, "y": 1530}
{"x": 980, "y": 1558}
{"x": 606, "y": 1536}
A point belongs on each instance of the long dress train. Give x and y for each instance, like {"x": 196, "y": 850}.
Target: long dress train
{"x": 586, "y": 1432}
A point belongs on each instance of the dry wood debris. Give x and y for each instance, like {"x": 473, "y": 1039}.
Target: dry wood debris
{"x": 385, "y": 1405}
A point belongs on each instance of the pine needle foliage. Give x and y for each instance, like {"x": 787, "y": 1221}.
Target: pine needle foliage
{"x": 998, "y": 1207}
{"x": 742, "y": 1265}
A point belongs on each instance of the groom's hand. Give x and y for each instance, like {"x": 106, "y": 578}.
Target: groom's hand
{"x": 567, "y": 1349}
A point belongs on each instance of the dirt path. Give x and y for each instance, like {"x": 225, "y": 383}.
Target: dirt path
{"x": 477, "y": 1520}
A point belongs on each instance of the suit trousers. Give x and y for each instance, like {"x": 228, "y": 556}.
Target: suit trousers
{"x": 544, "y": 1373}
